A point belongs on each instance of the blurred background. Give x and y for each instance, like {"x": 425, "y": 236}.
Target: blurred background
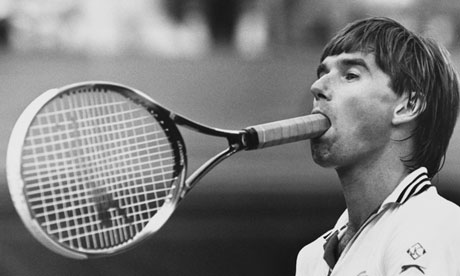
{"x": 228, "y": 64}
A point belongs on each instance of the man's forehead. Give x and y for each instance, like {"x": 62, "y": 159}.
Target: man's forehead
{"x": 368, "y": 58}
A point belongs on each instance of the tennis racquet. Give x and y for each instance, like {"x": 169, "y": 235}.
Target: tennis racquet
{"x": 94, "y": 168}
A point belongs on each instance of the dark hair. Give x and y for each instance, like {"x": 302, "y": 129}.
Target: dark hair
{"x": 417, "y": 66}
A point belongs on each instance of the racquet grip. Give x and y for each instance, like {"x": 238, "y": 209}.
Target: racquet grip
{"x": 286, "y": 131}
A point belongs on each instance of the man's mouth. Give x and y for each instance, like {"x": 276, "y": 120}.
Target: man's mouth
{"x": 325, "y": 124}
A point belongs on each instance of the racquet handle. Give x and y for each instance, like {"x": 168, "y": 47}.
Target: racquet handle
{"x": 286, "y": 131}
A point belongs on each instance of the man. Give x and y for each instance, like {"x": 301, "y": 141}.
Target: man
{"x": 392, "y": 99}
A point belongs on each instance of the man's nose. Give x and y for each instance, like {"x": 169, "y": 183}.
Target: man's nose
{"x": 320, "y": 89}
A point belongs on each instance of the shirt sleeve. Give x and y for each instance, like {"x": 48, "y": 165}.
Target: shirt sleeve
{"x": 428, "y": 250}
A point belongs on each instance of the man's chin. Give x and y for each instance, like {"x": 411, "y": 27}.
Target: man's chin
{"x": 322, "y": 162}
{"x": 321, "y": 155}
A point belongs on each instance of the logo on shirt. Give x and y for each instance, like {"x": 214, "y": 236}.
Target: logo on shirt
{"x": 414, "y": 266}
{"x": 416, "y": 251}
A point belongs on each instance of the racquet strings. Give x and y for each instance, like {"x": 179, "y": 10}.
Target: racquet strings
{"x": 96, "y": 168}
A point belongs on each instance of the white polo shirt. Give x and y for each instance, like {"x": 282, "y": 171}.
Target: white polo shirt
{"x": 414, "y": 232}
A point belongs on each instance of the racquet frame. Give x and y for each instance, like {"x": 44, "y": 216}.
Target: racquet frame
{"x": 245, "y": 139}
{"x": 16, "y": 143}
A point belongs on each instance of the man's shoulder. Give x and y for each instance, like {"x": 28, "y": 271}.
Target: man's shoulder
{"x": 429, "y": 214}
{"x": 430, "y": 205}
{"x": 422, "y": 232}
{"x": 315, "y": 249}
{"x": 312, "y": 249}
{"x": 310, "y": 257}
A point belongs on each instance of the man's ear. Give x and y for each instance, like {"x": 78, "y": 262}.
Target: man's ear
{"x": 408, "y": 108}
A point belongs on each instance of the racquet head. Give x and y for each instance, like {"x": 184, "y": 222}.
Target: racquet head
{"x": 94, "y": 168}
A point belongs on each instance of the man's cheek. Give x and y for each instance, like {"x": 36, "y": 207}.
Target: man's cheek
{"x": 372, "y": 127}
{"x": 369, "y": 122}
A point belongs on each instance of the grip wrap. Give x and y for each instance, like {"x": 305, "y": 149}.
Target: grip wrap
{"x": 286, "y": 131}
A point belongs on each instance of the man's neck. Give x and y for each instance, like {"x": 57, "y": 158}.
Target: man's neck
{"x": 365, "y": 188}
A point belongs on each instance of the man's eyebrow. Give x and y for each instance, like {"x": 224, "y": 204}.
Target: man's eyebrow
{"x": 349, "y": 62}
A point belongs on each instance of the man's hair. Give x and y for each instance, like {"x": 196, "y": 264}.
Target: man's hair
{"x": 417, "y": 66}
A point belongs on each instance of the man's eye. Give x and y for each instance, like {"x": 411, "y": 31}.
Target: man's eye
{"x": 320, "y": 73}
{"x": 351, "y": 76}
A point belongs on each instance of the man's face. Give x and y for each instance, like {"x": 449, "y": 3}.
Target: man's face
{"x": 355, "y": 94}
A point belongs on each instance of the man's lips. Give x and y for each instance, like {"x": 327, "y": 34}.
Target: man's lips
{"x": 317, "y": 111}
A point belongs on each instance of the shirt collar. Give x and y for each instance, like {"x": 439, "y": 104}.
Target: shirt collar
{"x": 413, "y": 184}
